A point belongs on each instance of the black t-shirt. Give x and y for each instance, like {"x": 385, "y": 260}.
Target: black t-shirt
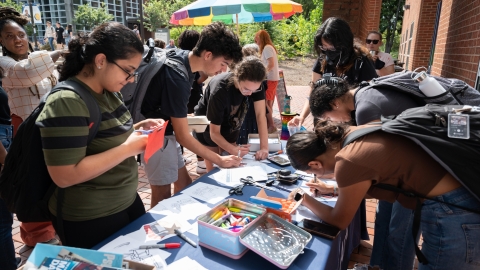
{"x": 59, "y": 31}
{"x": 371, "y": 104}
{"x": 224, "y": 105}
{"x": 362, "y": 70}
{"x": 4, "y": 108}
{"x": 168, "y": 92}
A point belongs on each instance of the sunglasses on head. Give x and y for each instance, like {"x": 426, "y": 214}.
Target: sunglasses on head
{"x": 374, "y": 41}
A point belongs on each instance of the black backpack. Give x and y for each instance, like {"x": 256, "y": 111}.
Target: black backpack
{"x": 153, "y": 60}
{"x": 427, "y": 127}
{"x": 25, "y": 184}
{"x": 457, "y": 91}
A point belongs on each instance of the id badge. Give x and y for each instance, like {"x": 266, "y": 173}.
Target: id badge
{"x": 459, "y": 126}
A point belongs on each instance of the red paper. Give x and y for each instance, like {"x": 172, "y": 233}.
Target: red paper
{"x": 155, "y": 141}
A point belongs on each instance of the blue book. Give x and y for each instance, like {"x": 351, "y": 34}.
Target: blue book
{"x": 59, "y": 264}
{"x": 101, "y": 258}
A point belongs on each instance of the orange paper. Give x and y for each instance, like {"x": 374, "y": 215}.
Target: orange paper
{"x": 155, "y": 141}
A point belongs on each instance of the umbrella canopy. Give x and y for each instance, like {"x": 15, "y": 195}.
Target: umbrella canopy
{"x": 203, "y": 12}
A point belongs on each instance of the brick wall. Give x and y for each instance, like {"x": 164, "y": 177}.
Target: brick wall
{"x": 362, "y": 15}
{"x": 370, "y": 17}
{"x": 457, "y": 51}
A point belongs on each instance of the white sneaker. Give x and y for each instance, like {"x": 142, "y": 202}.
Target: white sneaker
{"x": 201, "y": 168}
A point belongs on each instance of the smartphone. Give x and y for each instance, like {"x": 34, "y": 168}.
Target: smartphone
{"x": 279, "y": 161}
{"x": 319, "y": 228}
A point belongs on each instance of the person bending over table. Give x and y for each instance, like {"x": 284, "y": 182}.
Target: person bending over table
{"x": 99, "y": 179}
{"x": 449, "y": 233}
{"x": 225, "y": 103}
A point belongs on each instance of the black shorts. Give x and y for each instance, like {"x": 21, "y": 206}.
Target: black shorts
{"x": 60, "y": 40}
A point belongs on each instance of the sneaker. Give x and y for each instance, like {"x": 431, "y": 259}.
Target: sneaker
{"x": 187, "y": 160}
{"x": 201, "y": 168}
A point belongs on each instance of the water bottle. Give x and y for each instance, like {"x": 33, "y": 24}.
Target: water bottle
{"x": 428, "y": 85}
{"x": 286, "y": 106}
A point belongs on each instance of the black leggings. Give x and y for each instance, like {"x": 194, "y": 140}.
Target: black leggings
{"x": 86, "y": 234}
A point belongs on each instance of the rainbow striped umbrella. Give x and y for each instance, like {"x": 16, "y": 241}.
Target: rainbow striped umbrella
{"x": 203, "y": 12}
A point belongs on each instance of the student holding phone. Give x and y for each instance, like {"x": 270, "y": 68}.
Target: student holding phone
{"x": 449, "y": 234}
{"x": 225, "y": 103}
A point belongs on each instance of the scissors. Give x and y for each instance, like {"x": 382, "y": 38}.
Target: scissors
{"x": 248, "y": 181}
{"x": 237, "y": 190}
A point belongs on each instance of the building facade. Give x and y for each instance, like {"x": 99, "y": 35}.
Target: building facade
{"x": 63, "y": 11}
{"x": 443, "y": 36}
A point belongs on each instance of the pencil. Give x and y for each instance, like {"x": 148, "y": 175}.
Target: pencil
{"x": 315, "y": 181}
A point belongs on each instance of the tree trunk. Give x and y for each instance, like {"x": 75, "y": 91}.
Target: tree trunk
{"x": 389, "y": 45}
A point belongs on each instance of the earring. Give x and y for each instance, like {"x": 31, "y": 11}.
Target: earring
{"x": 99, "y": 67}
{"x": 336, "y": 107}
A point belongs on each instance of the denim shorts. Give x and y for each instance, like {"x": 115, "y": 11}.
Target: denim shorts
{"x": 6, "y": 136}
{"x": 450, "y": 234}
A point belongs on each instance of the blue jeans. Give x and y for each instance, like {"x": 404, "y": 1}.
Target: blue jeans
{"x": 50, "y": 41}
{"x": 451, "y": 236}
{"x": 393, "y": 245}
{"x": 67, "y": 40}
{"x": 7, "y": 250}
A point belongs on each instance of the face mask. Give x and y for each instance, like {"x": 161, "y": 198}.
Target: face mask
{"x": 333, "y": 57}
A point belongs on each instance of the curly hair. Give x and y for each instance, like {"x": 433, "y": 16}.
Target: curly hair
{"x": 322, "y": 97}
{"x": 220, "y": 41}
{"x": 9, "y": 15}
{"x": 112, "y": 39}
{"x": 188, "y": 39}
{"x": 337, "y": 32}
{"x": 250, "y": 69}
{"x": 303, "y": 147}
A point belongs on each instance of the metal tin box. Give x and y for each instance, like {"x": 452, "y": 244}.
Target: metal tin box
{"x": 221, "y": 240}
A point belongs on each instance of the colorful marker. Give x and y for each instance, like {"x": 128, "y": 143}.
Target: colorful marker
{"x": 166, "y": 245}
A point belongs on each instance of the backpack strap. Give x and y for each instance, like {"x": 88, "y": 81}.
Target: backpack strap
{"x": 94, "y": 120}
{"x": 359, "y": 133}
{"x": 177, "y": 65}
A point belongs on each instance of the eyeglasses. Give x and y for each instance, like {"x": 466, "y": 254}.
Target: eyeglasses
{"x": 246, "y": 91}
{"x": 130, "y": 75}
{"x": 374, "y": 41}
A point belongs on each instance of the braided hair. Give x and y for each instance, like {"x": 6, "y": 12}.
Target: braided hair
{"x": 9, "y": 15}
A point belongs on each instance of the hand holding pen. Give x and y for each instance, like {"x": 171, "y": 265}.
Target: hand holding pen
{"x": 241, "y": 150}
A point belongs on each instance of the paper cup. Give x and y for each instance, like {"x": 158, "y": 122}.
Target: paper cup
{"x": 292, "y": 130}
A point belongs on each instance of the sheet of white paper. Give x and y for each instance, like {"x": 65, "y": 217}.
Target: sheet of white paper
{"x": 256, "y": 163}
{"x": 185, "y": 263}
{"x": 194, "y": 229}
{"x": 231, "y": 177}
{"x": 129, "y": 248}
{"x": 182, "y": 204}
{"x": 164, "y": 228}
{"x": 251, "y": 156}
{"x": 207, "y": 192}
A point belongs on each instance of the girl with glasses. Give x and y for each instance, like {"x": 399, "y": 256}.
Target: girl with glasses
{"x": 225, "y": 103}
{"x": 384, "y": 64}
{"x": 99, "y": 179}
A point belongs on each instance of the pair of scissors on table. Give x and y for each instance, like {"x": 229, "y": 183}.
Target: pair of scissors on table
{"x": 247, "y": 181}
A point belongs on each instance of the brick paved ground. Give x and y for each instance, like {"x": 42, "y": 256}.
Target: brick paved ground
{"x": 299, "y": 95}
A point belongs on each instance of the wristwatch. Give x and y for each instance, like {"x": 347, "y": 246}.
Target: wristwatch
{"x": 299, "y": 195}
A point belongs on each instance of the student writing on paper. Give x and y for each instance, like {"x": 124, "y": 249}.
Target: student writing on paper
{"x": 225, "y": 103}
{"x": 382, "y": 158}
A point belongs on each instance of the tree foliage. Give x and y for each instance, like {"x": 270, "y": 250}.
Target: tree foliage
{"x": 90, "y": 17}
{"x": 12, "y": 4}
{"x": 158, "y": 12}
{"x": 391, "y": 17}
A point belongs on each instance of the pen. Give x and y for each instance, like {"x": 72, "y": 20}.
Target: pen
{"x": 315, "y": 181}
{"x": 276, "y": 153}
{"x": 184, "y": 237}
{"x": 166, "y": 245}
{"x": 239, "y": 152}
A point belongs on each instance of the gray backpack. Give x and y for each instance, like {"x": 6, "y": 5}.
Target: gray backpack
{"x": 457, "y": 91}
{"x": 153, "y": 60}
